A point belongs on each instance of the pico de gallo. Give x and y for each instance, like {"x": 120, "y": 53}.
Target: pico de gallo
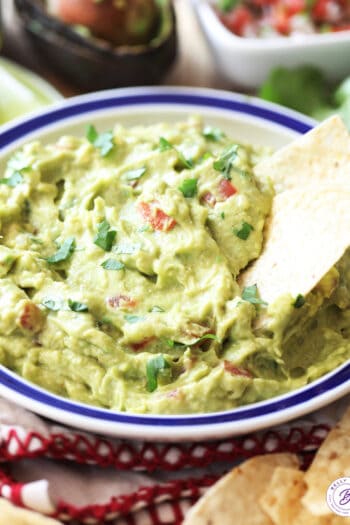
{"x": 267, "y": 18}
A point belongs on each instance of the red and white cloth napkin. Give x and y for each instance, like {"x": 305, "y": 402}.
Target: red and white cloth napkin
{"x": 73, "y": 475}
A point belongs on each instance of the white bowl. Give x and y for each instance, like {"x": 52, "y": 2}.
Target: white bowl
{"x": 248, "y": 61}
{"x": 246, "y": 119}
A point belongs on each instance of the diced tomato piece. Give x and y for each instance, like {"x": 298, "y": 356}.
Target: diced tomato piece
{"x": 121, "y": 301}
{"x": 294, "y": 7}
{"x": 322, "y": 10}
{"x": 226, "y": 189}
{"x": 280, "y": 21}
{"x": 31, "y": 318}
{"x": 238, "y": 19}
{"x": 236, "y": 370}
{"x": 142, "y": 344}
{"x": 156, "y": 217}
{"x": 209, "y": 199}
{"x": 343, "y": 27}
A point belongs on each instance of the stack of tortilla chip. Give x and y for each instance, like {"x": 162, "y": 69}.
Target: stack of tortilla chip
{"x": 272, "y": 490}
{"x": 308, "y": 229}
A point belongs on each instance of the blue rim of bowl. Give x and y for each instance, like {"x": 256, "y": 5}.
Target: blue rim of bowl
{"x": 208, "y": 99}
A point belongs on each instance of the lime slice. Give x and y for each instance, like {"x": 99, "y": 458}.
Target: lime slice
{"x": 22, "y": 91}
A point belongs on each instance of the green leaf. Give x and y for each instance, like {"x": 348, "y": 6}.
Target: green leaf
{"x": 165, "y": 145}
{"x": 227, "y": 5}
{"x": 299, "y": 301}
{"x": 127, "y": 249}
{"x": 64, "y": 252}
{"x": 244, "y": 231}
{"x": 105, "y": 237}
{"x": 13, "y": 180}
{"x": 77, "y": 307}
{"x": 214, "y": 134}
{"x": 153, "y": 368}
{"x": 112, "y": 264}
{"x": 304, "y": 89}
{"x": 133, "y": 318}
{"x": 222, "y": 214}
{"x": 104, "y": 141}
{"x": 156, "y": 309}
{"x": 135, "y": 174}
{"x": 205, "y": 337}
{"x": 250, "y": 294}
{"x": 53, "y": 304}
{"x": 189, "y": 187}
{"x": 225, "y": 162}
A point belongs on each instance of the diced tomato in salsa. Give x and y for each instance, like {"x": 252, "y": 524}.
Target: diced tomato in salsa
{"x": 142, "y": 344}
{"x": 156, "y": 217}
{"x": 31, "y": 318}
{"x": 236, "y": 370}
{"x": 226, "y": 189}
{"x": 121, "y": 301}
{"x": 209, "y": 199}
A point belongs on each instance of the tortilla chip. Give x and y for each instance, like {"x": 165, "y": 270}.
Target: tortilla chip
{"x": 10, "y": 515}
{"x": 331, "y": 462}
{"x": 236, "y": 495}
{"x": 282, "y": 501}
{"x": 320, "y": 156}
{"x": 307, "y": 234}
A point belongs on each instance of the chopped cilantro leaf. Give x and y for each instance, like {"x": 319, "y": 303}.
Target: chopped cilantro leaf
{"x": 156, "y": 309}
{"x": 53, "y": 304}
{"x": 214, "y": 134}
{"x": 250, "y": 294}
{"x": 75, "y": 306}
{"x": 154, "y": 367}
{"x": 105, "y": 237}
{"x": 189, "y": 187}
{"x": 227, "y": 5}
{"x": 222, "y": 214}
{"x": 225, "y": 162}
{"x": 244, "y": 231}
{"x": 135, "y": 174}
{"x": 165, "y": 145}
{"x": 13, "y": 180}
{"x": 204, "y": 338}
{"x": 64, "y": 252}
{"x": 133, "y": 318}
{"x": 102, "y": 141}
{"x": 112, "y": 264}
{"x": 299, "y": 301}
{"x": 127, "y": 249}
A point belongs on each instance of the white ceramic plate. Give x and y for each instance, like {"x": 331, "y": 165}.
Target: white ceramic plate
{"x": 244, "y": 118}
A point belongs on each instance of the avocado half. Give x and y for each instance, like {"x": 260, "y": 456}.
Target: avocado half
{"x": 92, "y": 63}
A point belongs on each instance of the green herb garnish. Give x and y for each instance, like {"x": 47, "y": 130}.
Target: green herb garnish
{"x": 64, "y": 252}
{"x": 250, "y": 294}
{"x": 133, "y": 318}
{"x": 214, "y": 134}
{"x": 105, "y": 237}
{"x": 244, "y": 231}
{"x": 112, "y": 264}
{"x": 53, "y": 304}
{"x": 154, "y": 367}
{"x": 299, "y": 301}
{"x": 156, "y": 309}
{"x": 135, "y": 174}
{"x": 127, "y": 249}
{"x": 102, "y": 141}
{"x": 189, "y": 187}
{"x": 227, "y": 5}
{"x": 165, "y": 145}
{"x": 13, "y": 180}
{"x": 222, "y": 214}
{"x": 75, "y": 306}
{"x": 226, "y": 161}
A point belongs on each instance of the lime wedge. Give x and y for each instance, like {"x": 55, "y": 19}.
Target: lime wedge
{"x": 22, "y": 91}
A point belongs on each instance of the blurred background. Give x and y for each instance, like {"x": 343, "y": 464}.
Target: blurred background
{"x": 293, "y": 52}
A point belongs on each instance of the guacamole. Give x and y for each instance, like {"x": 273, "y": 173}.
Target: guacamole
{"x": 119, "y": 259}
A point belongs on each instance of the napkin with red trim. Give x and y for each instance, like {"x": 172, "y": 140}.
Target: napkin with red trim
{"x": 81, "y": 477}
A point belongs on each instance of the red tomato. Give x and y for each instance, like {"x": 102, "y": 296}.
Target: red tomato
{"x": 294, "y": 7}
{"x": 209, "y": 199}
{"x": 31, "y": 318}
{"x": 142, "y": 344}
{"x": 236, "y": 370}
{"x": 238, "y": 19}
{"x": 280, "y": 21}
{"x": 226, "y": 189}
{"x": 321, "y": 10}
{"x": 156, "y": 217}
{"x": 121, "y": 301}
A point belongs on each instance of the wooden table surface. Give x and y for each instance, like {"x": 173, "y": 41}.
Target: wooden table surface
{"x": 194, "y": 65}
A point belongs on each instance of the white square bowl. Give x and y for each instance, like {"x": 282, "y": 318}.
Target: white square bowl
{"x": 247, "y": 61}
